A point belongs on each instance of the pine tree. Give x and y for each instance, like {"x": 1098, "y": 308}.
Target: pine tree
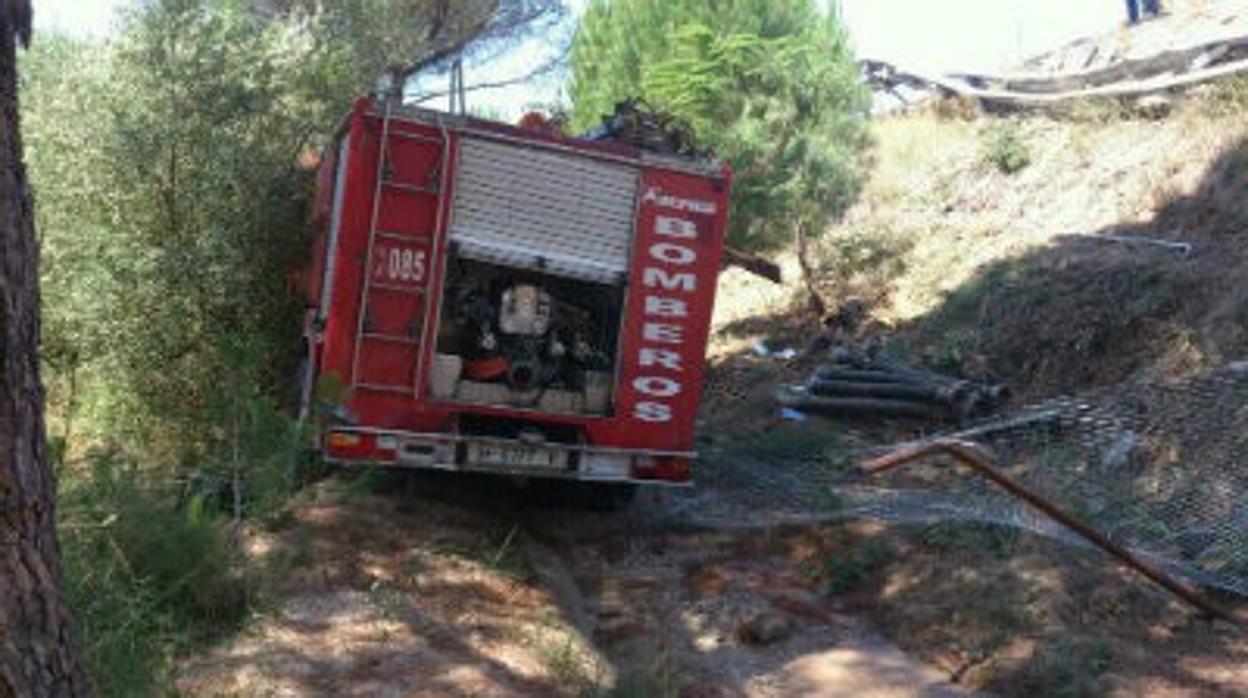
{"x": 38, "y": 652}
{"x": 770, "y": 86}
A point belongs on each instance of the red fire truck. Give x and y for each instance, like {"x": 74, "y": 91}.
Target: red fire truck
{"x": 489, "y": 298}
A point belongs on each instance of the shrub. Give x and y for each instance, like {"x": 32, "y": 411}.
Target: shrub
{"x": 1006, "y": 150}
{"x": 145, "y": 578}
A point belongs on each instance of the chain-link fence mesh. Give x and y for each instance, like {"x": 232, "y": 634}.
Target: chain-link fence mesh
{"x": 1158, "y": 468}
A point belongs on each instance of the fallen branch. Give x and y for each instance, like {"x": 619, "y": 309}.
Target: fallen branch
{"x": 1177, "y": 60}
{"x": 754, "y": 264}
{"x": 1183, "y": 248}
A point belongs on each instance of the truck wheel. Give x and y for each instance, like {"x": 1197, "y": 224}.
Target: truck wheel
{"x": 612, "y": 496}
{"x": 583, "y": 496}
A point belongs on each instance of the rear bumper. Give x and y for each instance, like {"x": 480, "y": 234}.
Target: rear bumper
{"x": 486, "y": 454}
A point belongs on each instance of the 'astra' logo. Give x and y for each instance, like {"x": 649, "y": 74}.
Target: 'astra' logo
{"x": 656, "y": 196}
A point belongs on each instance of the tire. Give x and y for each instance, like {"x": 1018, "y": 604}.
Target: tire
{"x": 603, "y": 497}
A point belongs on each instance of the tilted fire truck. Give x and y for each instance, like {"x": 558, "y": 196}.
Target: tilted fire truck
{"x": 499, "y": 299}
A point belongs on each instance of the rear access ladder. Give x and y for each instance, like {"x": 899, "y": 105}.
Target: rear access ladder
{"x": 386, "y": 356}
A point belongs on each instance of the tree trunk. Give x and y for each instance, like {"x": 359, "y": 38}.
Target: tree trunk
{"x": 818, "y": 305}
{"x": 38, "y": 653}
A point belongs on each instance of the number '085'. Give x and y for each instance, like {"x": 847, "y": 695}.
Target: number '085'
{"x": 405, "y": 264}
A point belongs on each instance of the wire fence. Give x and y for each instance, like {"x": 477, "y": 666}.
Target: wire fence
{"x": 1158, "y": 468}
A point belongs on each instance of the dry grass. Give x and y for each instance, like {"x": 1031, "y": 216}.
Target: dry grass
{"x": 957, "y": 258}
{"x": 954, "y": 255}
{"x": 931, "y": 187}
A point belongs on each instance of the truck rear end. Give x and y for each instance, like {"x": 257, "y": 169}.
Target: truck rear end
{"x": 489, "y": 298}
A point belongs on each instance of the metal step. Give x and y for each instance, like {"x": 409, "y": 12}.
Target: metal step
{"x": 393, "y": 338}
{"x": 411, "y": 188}
{"x": 396, "y": 288}
{"x": 385, "y": 388}
{"x": 403, "y": 238}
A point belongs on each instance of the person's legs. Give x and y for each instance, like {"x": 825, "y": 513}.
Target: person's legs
{"x": 1133, "y": 11}
{"x": 1152, "y": 7}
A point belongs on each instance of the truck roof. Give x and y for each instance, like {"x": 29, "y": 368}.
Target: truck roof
{"x": 706, "y": 166}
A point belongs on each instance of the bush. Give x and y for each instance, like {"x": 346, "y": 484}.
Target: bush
{"x": 145, "y": 578}
{"x": 1006, "y": 150}
{"x": 1227, "y": 98}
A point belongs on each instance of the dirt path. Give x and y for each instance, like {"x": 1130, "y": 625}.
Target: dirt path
{"x": 440, "y": 593}
{"x": 460, "y": 589}
{"x": 371, "y": 595}
{"x": 736, "y": 614}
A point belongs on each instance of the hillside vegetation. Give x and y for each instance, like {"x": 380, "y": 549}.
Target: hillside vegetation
{"x": 975, "y": 245}
{"x": 980, "y": 247}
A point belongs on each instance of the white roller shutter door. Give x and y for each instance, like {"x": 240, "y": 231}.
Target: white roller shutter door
{"x": 543, "y": 210}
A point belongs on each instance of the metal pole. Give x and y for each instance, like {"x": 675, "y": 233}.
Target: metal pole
{"x": 973, "y": 455}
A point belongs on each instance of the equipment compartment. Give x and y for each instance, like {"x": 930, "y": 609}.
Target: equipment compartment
{"x": 518, "y": 338}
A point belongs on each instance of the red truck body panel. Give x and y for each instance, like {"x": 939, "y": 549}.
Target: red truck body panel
{"x": 381, "y": 249}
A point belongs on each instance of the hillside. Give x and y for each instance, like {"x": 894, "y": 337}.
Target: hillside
{"x": 1013, "y": 247}
{"x": 970, "y": 268}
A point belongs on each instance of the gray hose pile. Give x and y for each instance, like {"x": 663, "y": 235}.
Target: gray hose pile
{"x": 857, "y": 385}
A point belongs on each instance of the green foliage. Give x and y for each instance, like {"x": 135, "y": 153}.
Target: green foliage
{"x": 171, "y": 209}
{"x": 859, "y": 261}
{"x": 792, "y": 442}
{"x": 144, "y": 578}
{"x": 150, "y": 566}
{"x": 172, "y": 205}
{"x": 771, "y": 87}
{"x": 1005, "y": 148}
{"x": 844, "y": 573}
{"x": 1069, "y": 668}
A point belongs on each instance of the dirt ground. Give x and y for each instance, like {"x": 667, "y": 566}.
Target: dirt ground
{"x": 374, "y": 589}
{"x": 371, "y": 595}
{"x": 400, "y": 593}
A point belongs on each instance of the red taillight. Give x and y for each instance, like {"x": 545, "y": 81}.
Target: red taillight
{"x": 665, "y": 468}
{"x": 351, "y": 445}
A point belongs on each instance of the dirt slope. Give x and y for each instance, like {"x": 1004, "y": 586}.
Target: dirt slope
{"x": 973, "y": 270}
{"x": 960, "y": 262}
{"x": 377, "y": 595}
{"x": 446, "y": 590}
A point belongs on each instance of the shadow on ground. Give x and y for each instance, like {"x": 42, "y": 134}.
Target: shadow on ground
{"x": 998, "y": 609}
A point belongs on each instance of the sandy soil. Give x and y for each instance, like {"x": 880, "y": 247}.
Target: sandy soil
{"x": 380, "y": 596}
{"x": 736, "y": 614}
{"x": 428, "y": 594}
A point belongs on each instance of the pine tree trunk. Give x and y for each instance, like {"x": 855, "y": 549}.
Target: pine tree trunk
{"x": 38, "y": 653}
{"x": 818, "y": 305}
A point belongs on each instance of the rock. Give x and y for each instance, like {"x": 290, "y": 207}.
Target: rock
{"x": 619, "y": 628}
{"x": 1153, "y": 106}
{"x": 1225, "y": 627}
{"x": 709, "y": 581}
{"x": 803, "y": 604}
{"x": 1121, "y": 453}
{"x": 764, "y": 628}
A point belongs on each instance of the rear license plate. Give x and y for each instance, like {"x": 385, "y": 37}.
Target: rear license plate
{"x": 516, "y": 456}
